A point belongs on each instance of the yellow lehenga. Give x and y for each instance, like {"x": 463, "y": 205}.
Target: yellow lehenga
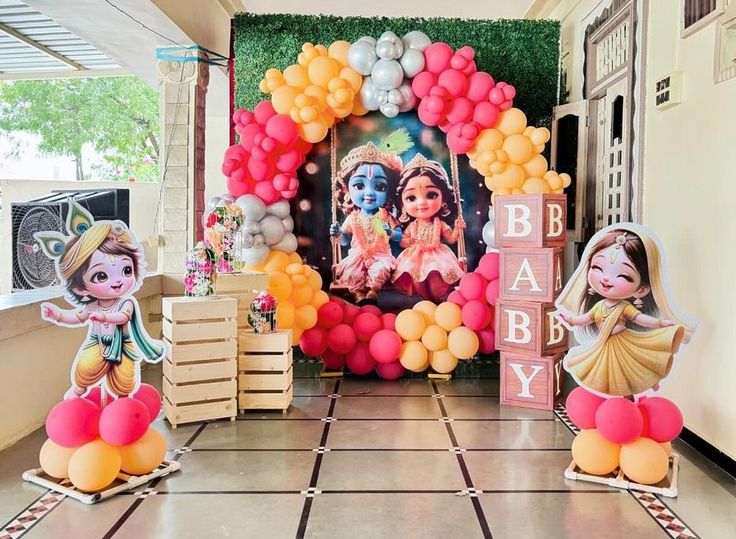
{"x": 625, "y": 363}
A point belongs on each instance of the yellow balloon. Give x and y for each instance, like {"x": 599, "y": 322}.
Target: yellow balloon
{"x": 314, "y": 132}
{"x": 285, "y": 314}
{"x": 512, "y": 122}
{"x": 144, "y": 455}
{"x": 276, "y": 261}
{"x": 434, "y": 338}
{"x": 410, "y": 325}
{"x": 489, "y": 139}
{"x": 298, "y": 281}
{"x": 359, "y": 109}
{"x": 553, "y": 180}
{"x": 353, "y": 78}
{"x": 314, "y": 279}
{"x": 511, "y": 177}
{"x": 339, "y": 51}
{"x": 322, "y": 69}
{"x": 539, "y": 135}
{"x": 320, "y": 298}
{"x": 296, "y": 334}
{"x": 518, "y": 148}
{"x": 294, "y": 258}
{"x": 644, "y": 461}
{"x": 305, "y": 317}
{"x": 594, "y": 454}
{"x": 448, "y": 316}
{"x": 426, "y": 308}
{"x": 318, "y": 95}
{"x": 279, "y": 285}
{"x": 463, "y": 342}
{"x": 295, "y": 268}
{"x": 536, "y": 167}
{"x": 566, "y": 179}
{"x": 296, "y": 75}
{"x": 413, "y": 356}
{"x": 301, "y": 296}
{"x": 283, "y": 99}
{"x": 94, "y": 466}
{"x": 442, "y": 361}
{"x": 54, "y": 459}
{"x": 667, "y": 446}
{"x": 535, "y": 186}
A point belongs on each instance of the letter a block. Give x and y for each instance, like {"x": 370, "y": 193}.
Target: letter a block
{"x": 531, "y": 220}
{"x": 529, "y": 328}
{"x": 531, "y": 382}
{"x": 531, "y": 274}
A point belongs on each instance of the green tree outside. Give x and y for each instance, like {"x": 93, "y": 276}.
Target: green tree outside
{"x": 118, "y": 116}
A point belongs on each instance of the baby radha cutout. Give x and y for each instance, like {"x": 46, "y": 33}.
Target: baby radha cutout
{"x": 101, "y": 265}
{"x": 619, "y": 306}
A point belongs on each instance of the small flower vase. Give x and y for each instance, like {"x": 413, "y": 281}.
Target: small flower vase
{"x": 228, "y": 260}
{"x": 263, "y": 322}
{"x": 199, "y": 271}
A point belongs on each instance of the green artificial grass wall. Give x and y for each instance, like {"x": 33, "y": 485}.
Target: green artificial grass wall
{"x": 524, "y": 53}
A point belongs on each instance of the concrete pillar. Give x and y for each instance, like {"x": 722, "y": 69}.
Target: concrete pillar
{"x": 183, "y": 80}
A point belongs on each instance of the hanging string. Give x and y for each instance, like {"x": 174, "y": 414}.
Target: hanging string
{"x": 455, "y": 176}
{"x": 336, "y": 250}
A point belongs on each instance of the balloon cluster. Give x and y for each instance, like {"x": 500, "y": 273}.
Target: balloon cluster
{"x": 457, "y": 97}
{"x": 476, "y": 296}
{"x": 316, "y": 90}
{"x": 267, "y": 157}
{"x": 90, "y": 445}
{"x": 509, "y": 157}
{"x": 617, "y": 432}
{"x": 297, "y": 288}
{"x": 265, "y": 228}
{"x": 386, "y": 63}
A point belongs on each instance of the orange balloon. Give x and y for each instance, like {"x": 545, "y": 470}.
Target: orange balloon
{"x": 298, "y": 281}
{"x": 314, "y": 279}
{"x": 353, "y": 78}
{"x": 539, "y": 135}
{"x": 448, "y": 316}
{"x": 305, "y": 317}
{"x": 535, "y": 186}
{"x": 322, "y": 69}
{"x": 434, "y": 338}
{"x": 667, "y": 446}
{"x": 94, "y": 466}
{"x": 518, "y": 148}
{"x": 144, "y": 455}
{"x": 320, "y": 298}
{"x": 339, "y": 51}
{"x": 276, "y": 261}
{"x": 295, "y": 268}
{"x": 410, "y": 325}
{"x": 283, "y": 99}
{"x": 594, "y": 454}
{"x": 296, "y": 75}
{"x": 314, "y": 132}
{"x": 301, "y": 295}
{"x": 54, "y": 459}
{"x": 463, "y": 342}
{"x": 512, "y": 122}
{"x": 296, "y": 334}
{"x": 285, "y": 313}
{"x": 489, "y": 139}
{"x": 413, "y": 356}
{"x": 442, "y": 361}
{"x": 644, "y": 461}
{"x": 511, "y": 177}
{"x": 426, "y": 308}
{"x": 294, "y": 258}
{"x": 279, "y": 285}
{"x": 536, "y": 167}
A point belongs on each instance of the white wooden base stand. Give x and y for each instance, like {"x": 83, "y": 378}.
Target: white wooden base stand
{"x": 617, "y": 479}
{"x": 123, "y": 482}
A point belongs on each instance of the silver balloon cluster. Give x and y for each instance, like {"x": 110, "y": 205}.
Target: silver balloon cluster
{"x": 489, "y": 231}
{"x": 388, "y": 64}
{"x": 265, "y": 228}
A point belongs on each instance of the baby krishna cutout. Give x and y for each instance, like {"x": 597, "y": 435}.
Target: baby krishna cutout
{"x": 617, "y": 302}
{"x": 101, "y": 265}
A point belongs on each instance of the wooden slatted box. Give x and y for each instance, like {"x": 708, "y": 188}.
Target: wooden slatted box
{"x": 200, "y": 366}
{"x": 242, "y": 287}
{"x": 265, "y": 371}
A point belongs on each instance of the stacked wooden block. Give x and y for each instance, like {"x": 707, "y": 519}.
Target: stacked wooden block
{"x": 200, "y": 366}
{"x": 242, "y": 287}
{"x": 530, "y": 234}
{"x": 265, "y": 371}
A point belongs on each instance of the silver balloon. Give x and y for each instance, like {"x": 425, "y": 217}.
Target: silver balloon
{"x": 258, "y": 240}
{"x": 212, "y": 204}
{"x": 409, "y": 99}
{"x": 416, "y": 40}
{"x": 412, "y": 62}
{"x": 251, "y": 227}
{"x": 389, "y": 110}
{"x": 288, "y": 244}
{"x": 280, "y": 209}
{"x": 387, "y": 74}
{"x": 362, "y": 56}
{"x": 491, "y": 213}
{"x": 222, "y": 203}
{"x": 273, "y": 229}
{"x": 228, "y": 197}
{"x": 246, "y": 240}
{"x": 395, "y": 97}
{"x": 389, "y": 46}
{"x": 255, "y": 255}
{"x": 489, "y": 234}
{"x": 288, "y": 223}
{"x": 369, "y": 94}
{"x": 369, "y": 39}
{"x": 382, "y": 97}
{"x": 253, "y": 207}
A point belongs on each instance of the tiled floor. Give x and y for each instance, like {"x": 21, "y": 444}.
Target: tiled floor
{"x": 364, "y": 458}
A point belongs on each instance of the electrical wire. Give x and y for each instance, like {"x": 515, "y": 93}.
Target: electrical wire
{"x": 143, "y": 25}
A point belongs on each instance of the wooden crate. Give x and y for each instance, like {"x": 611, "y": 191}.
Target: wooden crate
{"x": 529, "y": 328}
{"x": 242, "y": 287}
{"x": 531, "y": 220}
{"x": 200, "y": 365}
{"x": 531, "y": 274}
{"x": 531, "y": 382}
{"x": 265, "y": 371}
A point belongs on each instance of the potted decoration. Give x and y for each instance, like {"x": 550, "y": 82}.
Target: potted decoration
{"x": 200, "y": 266}
{"x": 262, "y": 317}
{"x": 222, "y": 224}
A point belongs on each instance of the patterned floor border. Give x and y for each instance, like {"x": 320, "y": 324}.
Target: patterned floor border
{"x": 31, "y": 515}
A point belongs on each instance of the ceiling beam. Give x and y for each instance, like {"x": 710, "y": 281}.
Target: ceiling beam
{"x": 36, "y": 45}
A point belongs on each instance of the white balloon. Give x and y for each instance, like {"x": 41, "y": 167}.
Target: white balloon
{"x": 382, "y": 97}
{"x": 258, "y": 240}
{"x": 409, "y": 99}
{"x": 212, "y": 204}
{"x": 251, "y": 227}
{"x": 253, "y": 207}
{"x": 369, "y": 39}
{"x": 288, "y": 223}
{"x": 369, "y": 94}
{"x": 222, "y": 203}
{"x": 489, "y": 234}
{"x": 389, "y": 110}
{"x": 362, "y": 56}
{"x": 280, "y": 209}
{"x": 395, "y": 97}
{"x": 416, "y": 40}
{"x": 389, "y": 46}
{"x": 255, "y": 255}
{"x": 228, "y": 197}
{"x": 387, "y": 74}
{"x": 491, "y": 213}
{"x": 412, "y": 62}
{"x": 288, "y": 244}
{"x": 273, "y": 229}
{"x": 246, "y": 240}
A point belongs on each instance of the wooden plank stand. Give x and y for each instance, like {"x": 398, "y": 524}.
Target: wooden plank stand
{"x": 200, "y": 365}
{"x": 265, "y": 371}
{"x": 667, "y": 487}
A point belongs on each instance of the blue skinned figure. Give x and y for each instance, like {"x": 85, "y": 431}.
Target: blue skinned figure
{"x": 365, "y": 188}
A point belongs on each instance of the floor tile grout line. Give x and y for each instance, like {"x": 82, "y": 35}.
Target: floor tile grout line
{"x": 482, "y": 521}
{"x": 480, "y": 420}
{"x": 379, "y": 491}
{"x": 376, "y": 449}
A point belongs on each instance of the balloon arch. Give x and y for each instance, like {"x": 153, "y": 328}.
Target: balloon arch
{"x": 389, "y": 75}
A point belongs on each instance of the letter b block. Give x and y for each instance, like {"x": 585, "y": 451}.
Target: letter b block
{"x": 529, "y": 328}
{"x": 531, "y": 274}
{"x": 531, "y": 382}
{"x": 531, "y": 220}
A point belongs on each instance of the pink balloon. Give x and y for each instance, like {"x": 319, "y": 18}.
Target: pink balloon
{"x": 581, "y": 407}
{"x": 463, "y": 60}
{"x": 437, "y": 57}
{"x": 282, "y": 128}
{"x": 281, "y": 182}
{"x": 457, "y": 298}
{"x": 236, "y": 188}
{"x": 385, "y": 346}
{"x": 289, "y": 161}
{"x": 461, "y": 110}
{"x": 453, "y": 81}
{"x": 373, "y": 309}
{"x": 486, "y": 114}
{"x": 95, "y": 395}
{"x": 329, "y": 315}
{"x": 149, "y": 396}
{"x": 390, "y": 371}
{"x": 73, "y": 422}
{"x": 473, "y": 285}
{"x": 333, "y": 361}
{"x": 263, "y": 111}
{"x": 313, "y": 341}
{"x": 388, "y": 321}
{"x": 260, "y": 170}
{"x": 461, "y": 137}
{"x": 351, "y": 313}
{"x": 366, "y": 324}
{"x": 476, "y": 315}
{"x": 479, "y": 85}
{"x": 662, "y": 419}
{"x": 488, "y": 266}
{"x": 423, "y": 83}
{"x": 124, "y": 421}
{"x": 619, "y": 420}
{"x": 487, "y": 341}
{"x": 248, "y": 136}
{"x": 341, "y": 339}
{"x": 492, "y": 292}
{"x": 359, "y": 360}
{"x": 267, "y": 193}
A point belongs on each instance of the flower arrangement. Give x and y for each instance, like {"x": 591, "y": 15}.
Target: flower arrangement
{"x": 221, "y": 225}
{"x": 200, "y": 265}
{"x": 263, "y": 313}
